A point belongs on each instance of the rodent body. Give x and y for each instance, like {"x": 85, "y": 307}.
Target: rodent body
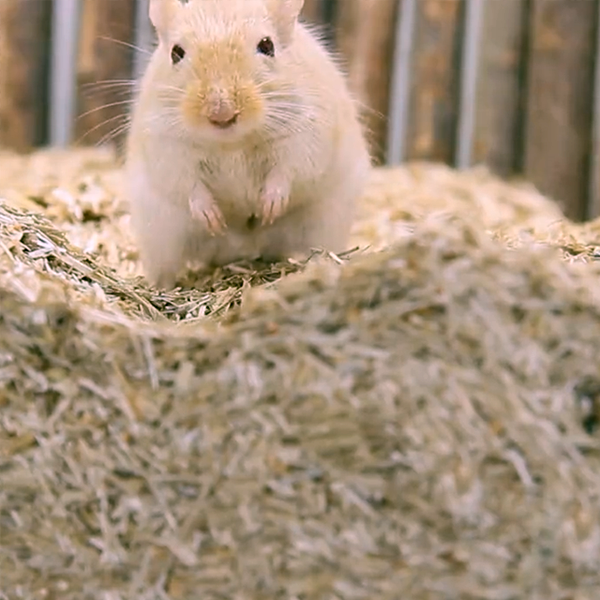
{"x": 242, "y": 155}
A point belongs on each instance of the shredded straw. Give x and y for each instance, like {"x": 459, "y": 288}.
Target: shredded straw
{"x": 416, "y": 419}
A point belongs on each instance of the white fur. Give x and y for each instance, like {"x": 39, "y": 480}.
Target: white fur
{"x": 322, "y": 160}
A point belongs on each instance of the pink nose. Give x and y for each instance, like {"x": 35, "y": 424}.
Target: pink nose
{"x": 223, "y": 116}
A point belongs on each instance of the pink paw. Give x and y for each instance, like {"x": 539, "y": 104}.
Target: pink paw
{"x": 274, "y": 203}
{"x": 204, "y": 208}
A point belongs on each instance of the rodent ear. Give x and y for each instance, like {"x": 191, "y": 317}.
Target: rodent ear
{"x": 285, "y": 14}
{"x": 161, "y": 15}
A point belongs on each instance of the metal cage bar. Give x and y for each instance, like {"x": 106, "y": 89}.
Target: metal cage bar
{"x": 401, "y": 82}
{"x": 63, "y": 84}
{"x": 473, "y": 21}
{"x": 593, "y": 202}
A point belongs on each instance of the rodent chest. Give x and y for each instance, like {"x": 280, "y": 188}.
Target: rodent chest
{"x": 235, "y": 183}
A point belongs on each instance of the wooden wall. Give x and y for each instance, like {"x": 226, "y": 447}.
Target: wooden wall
{"x": 24, "y": 41}
{"x": 560, "y": 65}
{"x": 535, "y": 86}
{"x": 107, "y": 29}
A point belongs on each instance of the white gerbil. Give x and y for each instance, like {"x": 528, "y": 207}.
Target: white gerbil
{"x": 245, "y": 141}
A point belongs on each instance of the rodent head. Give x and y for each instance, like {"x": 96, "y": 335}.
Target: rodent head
{"x": 219, "y": 65}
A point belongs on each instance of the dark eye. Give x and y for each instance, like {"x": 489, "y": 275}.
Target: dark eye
{"x": 266, "y": 47}
{"x": 177, "y": 54}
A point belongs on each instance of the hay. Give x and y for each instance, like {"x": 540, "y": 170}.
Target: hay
{"x": 416, "y": 421}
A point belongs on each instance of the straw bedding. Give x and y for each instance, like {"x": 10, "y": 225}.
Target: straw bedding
{"x": 416, "y": 420}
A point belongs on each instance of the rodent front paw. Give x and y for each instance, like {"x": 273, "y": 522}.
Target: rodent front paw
{"x": 274, "y": 203}
{"x": 205, "y": 209}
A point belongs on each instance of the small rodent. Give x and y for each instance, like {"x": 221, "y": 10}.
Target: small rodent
{"x": 245, "y": 141}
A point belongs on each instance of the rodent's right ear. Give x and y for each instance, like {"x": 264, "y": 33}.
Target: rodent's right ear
{"x": 161, "y": 15}
{"x": 285, "y": 13}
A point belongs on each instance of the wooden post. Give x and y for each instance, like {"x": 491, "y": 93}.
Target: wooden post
{"x": 107, "y": 28}
{"x": 500, "y": 94}
{"x": 435, "y": 81}
{"x": 24, "y": 40}
{"x": 559, "y": 102}
{"x": 365, "y": 38}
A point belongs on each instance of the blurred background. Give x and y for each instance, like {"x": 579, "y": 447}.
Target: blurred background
{"x": 512, "y": 84}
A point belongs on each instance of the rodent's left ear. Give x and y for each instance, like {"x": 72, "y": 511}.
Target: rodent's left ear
{"x": 161, "y": 14}
{"x": 285, "y": 14}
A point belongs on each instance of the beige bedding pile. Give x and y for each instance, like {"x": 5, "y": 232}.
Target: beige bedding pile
{"x": 418, "y": 419}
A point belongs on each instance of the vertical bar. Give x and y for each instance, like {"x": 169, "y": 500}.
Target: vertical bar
{"x": 63, "y": 86}
{"x": 401, "y": 82}
{"x": 559, "y": 101}
{"x": 144, "y": 37}
{"x": 593, "y": 204}
{"x": 524, "y": 84}
{"x": 432, "y": 124}
{"x": 501, "y": 87}
{"x": 468, "y": 83}
{"x": 365, "y": 38}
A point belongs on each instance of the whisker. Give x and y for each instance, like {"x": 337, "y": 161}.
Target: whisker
{"x": 122, "y": 43}
{"x": 110, "y": 83}
{"x": 291, "y": 111}
{"x": 170, "y": 120}
{"x": 109, "y": 89}
{"x": 110, "y": 105}
{"x": 118, "y": 130}
{"x": 100, "y": 125}
{"x": 170, "y": 88}
{"x": 365, "y": 108}
{"x": 286, "y": 117}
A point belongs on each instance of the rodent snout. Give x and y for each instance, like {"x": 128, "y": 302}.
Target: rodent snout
{"x": 228, "y": 110}
{"x": 223, "y": 115}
